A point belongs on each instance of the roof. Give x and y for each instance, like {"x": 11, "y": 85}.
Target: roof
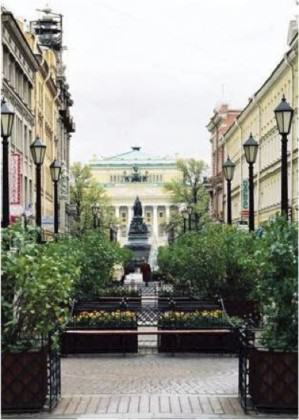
{"x": 134, "y": 157}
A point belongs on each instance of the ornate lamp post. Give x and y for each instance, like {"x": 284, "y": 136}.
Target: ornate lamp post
{"x": 184, "y": 213}
{"x": 250, "y": 149}
{"x": 38, "y": 151}
{"x": 189, "y": 210}
{"x": 7, "y": 119}
{"x": 284, "y": 115}
{"x": 55, "y": 169}
{"x": 229, "y": 169}
{"x": 95, "y": 208}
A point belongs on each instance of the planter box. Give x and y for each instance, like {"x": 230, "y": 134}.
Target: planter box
{"x": 24, "y": 380}
{"x": 212, "y": 342}
{"x": 95, "y": 343}
{"x": 273, "y": 379}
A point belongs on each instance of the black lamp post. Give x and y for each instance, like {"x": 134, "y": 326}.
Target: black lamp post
{"x": 55, "y": 169}
{"x": 38, "y": 151}
{"x": 250, "y": 149}
{"x": 229, "y": 169}
{"x": 284, "y": 115}
{"x": 95, "y": 208}
{"x": 189, "y": 210}
{"x": 7, "y": 119}
{"x": 185, "y": 217}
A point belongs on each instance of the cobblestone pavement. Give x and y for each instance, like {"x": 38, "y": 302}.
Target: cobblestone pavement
{"x": 132, "y": 374}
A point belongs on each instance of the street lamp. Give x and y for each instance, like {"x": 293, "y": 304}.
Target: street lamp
{"x": 95, "y": 208}
{"x": 38, "y": 151}
{"x": 229, "y": 169}
{"x": 184, "y": 213}
{"x": 7, "y": 119}
{"x": 55, "y": 169}
{"x": 189, "y": 211}
{"x": 284, "y": 115}
{"x": 250, "y": 149}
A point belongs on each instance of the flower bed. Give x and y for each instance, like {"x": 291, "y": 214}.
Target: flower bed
{"x": 95, "y": 343}
{"x": 217, "y": 334}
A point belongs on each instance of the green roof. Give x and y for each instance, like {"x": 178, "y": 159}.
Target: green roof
{"x": 134, "y": 157}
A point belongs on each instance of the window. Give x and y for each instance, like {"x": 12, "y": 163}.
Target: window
{"x": 124, "y": 216}
{"x": 26, "y": 147}
{"x": 148, "y": 216}
{"x": 161, "y": 214}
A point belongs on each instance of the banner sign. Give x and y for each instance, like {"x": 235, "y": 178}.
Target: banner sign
{"x": 15, "y": 179}
{"x": 245, "y": 194}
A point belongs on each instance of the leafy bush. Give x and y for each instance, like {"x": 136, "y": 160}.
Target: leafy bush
{"x": 218, "y": 261}
{"x": 102, "y": 319}
{"x": 96, "y": 259}
{"x": 36, "y": 286}
{"x": 277, "y": 285}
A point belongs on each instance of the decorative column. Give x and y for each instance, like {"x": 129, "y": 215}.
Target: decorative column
{"x": 155, "y": 221}
{"x": 167, "y": 213}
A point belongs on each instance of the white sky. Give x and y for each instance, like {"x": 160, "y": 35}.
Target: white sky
{"x": 150, "y": 72}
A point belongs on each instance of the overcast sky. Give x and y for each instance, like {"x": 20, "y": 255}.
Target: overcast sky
{"x": 150, "y": 72}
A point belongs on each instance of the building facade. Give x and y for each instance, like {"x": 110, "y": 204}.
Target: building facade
{"x": 219, "y": 123}
{"x": 258, "y": 118}
{"x": 133, "y": 174}
{"x": 35, "y": 87}
{"x": 19, "y": 66}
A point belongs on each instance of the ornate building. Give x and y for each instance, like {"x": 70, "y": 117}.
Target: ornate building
{"x": 134, "y": 174}
{"x": 219, "y": 123}
{"x": 258, "y": 118}
{"x": 34, "y": 86}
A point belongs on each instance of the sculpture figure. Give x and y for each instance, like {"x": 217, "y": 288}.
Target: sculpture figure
{"x": 137, "y": 207}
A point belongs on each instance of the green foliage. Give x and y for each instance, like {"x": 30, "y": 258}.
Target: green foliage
{"x": 36, "y": 285}
{"x": 96, "y": 259}
{"x": 189, "y": 190}
{"x": 218, "y": 261}
{"x": 277, "y": 286}
{"x": 84, "y": 192}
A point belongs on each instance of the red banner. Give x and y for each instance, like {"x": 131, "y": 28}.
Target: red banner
{"x": 15, "y": 179}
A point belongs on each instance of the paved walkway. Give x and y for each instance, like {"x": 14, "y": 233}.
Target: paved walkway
{"x": 149, "y": 386}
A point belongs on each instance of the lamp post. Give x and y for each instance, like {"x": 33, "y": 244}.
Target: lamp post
{"x": 184, "y": 213}
{"x": 229, "y": 169}
{"x": 250, "y": 149}
{"x": 95, "y": 208}
{"x": 189, "y": 210}
{"x": 38, "y": 151}
{"x": 7, "y": 119}
{"x": 55, "y": 169}
{"x": 284, "y": 115}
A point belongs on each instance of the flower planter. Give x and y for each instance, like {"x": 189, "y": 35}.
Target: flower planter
{"x": 95, "y": 343}
{"x": 206, "y": 342}
{"x": 24, "y": 380}
{"x": 273, "y": 379}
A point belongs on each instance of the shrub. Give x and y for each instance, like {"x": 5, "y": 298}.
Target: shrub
{"x": 218, "y": 261}
{"x": 276, "y": 286}
{"x": 36, "y": 286}
{"x": 96, "y": 259}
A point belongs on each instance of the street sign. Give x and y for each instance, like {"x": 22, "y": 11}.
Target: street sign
{"x": 245, "y": 195}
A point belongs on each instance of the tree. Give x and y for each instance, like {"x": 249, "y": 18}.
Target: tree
{"x": 190, "y": 190}
{"x": 84, "y": 192}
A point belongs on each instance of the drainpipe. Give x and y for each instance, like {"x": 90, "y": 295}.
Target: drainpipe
{"x": 259, "y": 161}
{"x": 44, "y": 130}
{"x": 287, "y": 61}
{"x": 241, "y": 165}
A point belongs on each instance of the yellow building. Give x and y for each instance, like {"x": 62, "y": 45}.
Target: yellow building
{"x": 132, "y": 174}
{"x": 258, "y": 118}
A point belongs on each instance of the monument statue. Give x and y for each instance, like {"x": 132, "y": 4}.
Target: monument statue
{"x": 137, "y": 207}
{"x": 138, "y": 234}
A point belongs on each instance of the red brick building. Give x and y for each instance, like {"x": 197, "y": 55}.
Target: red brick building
{"x": 219, "y": 123}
